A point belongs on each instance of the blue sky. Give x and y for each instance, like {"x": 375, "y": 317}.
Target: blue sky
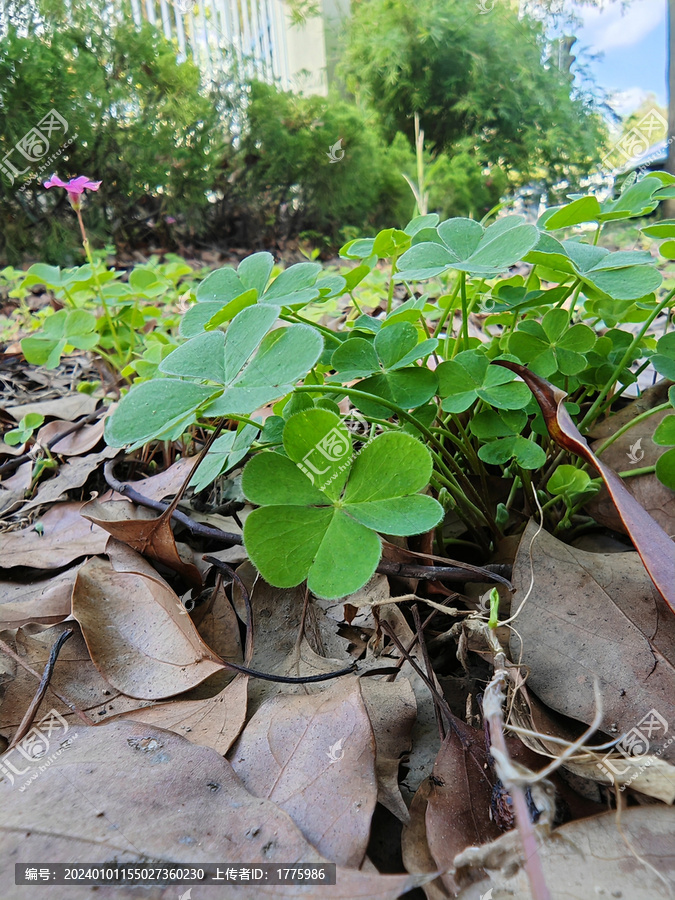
{"x": 632, "y": 44}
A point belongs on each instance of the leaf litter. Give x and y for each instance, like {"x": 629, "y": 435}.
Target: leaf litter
{"x": 240, "y": 769}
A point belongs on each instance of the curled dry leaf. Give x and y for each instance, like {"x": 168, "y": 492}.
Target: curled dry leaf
{"x": 217, "y": 623}
{"x": 164, "y": 799}
{"x": 46, "y": 601}
{"x": 458, "y": 806}
{"x": 314, "y": 756}
{"x": 63, "y": 536}
{"x": 588, "y": 858}
{"x": 75, "y": 677}
{"x": 138, "y": 634}
{"x": 594, "y": 615}
{"x": 143, "y": 531}
{"x": 655, "y": 547}
{"x": 166, "y": 483}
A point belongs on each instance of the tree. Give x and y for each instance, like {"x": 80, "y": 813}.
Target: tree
{"x": 486, "y": 79}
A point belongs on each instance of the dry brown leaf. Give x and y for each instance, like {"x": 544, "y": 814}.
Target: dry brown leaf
{"x": 657, "y": 499}
{"x": 166, "y": 483}
{"x": 141, "y": 529}
{"x": 138, "y": 634}
{"x": 590, "y": 858}
{"x": 214, "y": 722}
{"x": 46, "y": 601}
{"x": 69, "y": 407}
{"x": 74, "y": 677}
{"x": 164, "y": 799}
{"x": 415, "y": 846}
{"x": 217, "y": 623}
{"x": 655, "y": 547}
{"x": 392, "y": 710}
{"x": 594, "y": 614}
{"x": 64, "y": 536}
{"x": 76, "y": 442}
{"x": 314, "y": 756}
{"x": 72, "y": 474}
{"x": 458, "y": 806}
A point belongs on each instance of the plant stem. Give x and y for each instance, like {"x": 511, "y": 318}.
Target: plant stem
{"x": 465, "y": 311}
{"x": 624, "y": 428}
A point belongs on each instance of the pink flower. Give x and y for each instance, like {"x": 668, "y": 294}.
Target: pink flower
{"x": 75, "y": 187}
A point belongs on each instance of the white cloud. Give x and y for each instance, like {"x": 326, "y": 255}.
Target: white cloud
{"x": 625, "y": 102}
{"x": 612, "y": 26}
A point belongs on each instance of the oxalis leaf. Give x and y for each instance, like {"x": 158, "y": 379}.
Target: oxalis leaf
{"x": 321, "y": 505}
{"x": 246, "y": 368}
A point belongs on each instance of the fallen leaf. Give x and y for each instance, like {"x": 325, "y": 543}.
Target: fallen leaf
{"x": 74, "y": 677}
{"x": 415, "y": 846}
{"x": 166, "y": 483}
{"x": 153, "y": 776}
{"x": 458, "y": 806}
{"x": 594, "y": 614}
{"x": 590, "y": 858}
{"x": 69, "y": 407}
{"x": 72, "y": 474}
{"x": 217, "y": 623}
{"x": 651, "y": 541}
{"x": 136, "y": 633}
{"x": 214, "y": 722}
{"x": 63, "y": 537}
{"x": 392, "y": 710}
{"x": 142, "y": 530}
{"x": 76, "y": 442}
{"x": 314, "y": 756}
{"x": 46, "y": 601}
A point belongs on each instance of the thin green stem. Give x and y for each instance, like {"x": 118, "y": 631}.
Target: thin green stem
{"x": 446, "y": 312}
{"x": 465, "y": 310}
{"x": 624, "y": 428}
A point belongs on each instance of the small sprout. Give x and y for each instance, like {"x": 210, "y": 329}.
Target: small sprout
{"x": 493, "y": 621}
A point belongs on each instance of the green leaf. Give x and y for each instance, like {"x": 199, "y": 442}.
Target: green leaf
{"x": 584, "y": 209}
{"x": 224, "y": 454}
{"x": 408, "y": 388}
{"x": 301, "y": 532}
{"x": 318, "y": 441}
{"x": 295, "y": 279}
{"x": 527, "y": 454}
{"x": 355, "y": 358}
{"x": 254, "y": 271}
{"x": 665, "y": 432}
{"x": 222, "y": 285}
{"x": 665, "y": 469}
{"x": 155, "y": 408}
{"x": 569, "y": 482}
{"x": 663, "y": 229}
{"x": 468, "y": 377}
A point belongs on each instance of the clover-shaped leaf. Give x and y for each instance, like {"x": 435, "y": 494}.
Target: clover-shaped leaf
{"x": 224, "y": 293}
{"x": 664, "y": 358}
{"x": 244, "y": 369}
{"x": 469, "y": 376}
{"x": 467, "y": 246}
{"x": 320, "y": 508}
{"x": 386, "y": 364}
{"x": 24, "y": 429}
{"x": 66, "y": 328}
{"x": 527, "y": 454}
{"x": 552, "y": 346}
{"x": 224, "y": 454}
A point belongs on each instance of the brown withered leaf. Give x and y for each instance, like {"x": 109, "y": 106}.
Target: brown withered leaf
{"x": 46, "y": 601}
{"x": 458, "y": 807}
{"x": 594, "y": 857}
{"x": 214, "y": 722}
{"x": 415, "y": 845}
{"x": 69, "y": 407}
{"x": 166, "y": 483}
{"x": 153, "y": 776}
{"x": 72, "y": 474}
{"x": 217, "y": 623}
{"x": 138, "y": 633}
{"x": 74, "y": 677}
{"x": 635, "y": 448}
{"x": 594, "y": 614}
{"x": 314, "y": 756}
{"x": 76, "y": 442}
{"x": 655, "y": 547}
{"x": 142, "y": 530}
{"x": 392, "y": 710}
{"x": 63, "y": 536}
